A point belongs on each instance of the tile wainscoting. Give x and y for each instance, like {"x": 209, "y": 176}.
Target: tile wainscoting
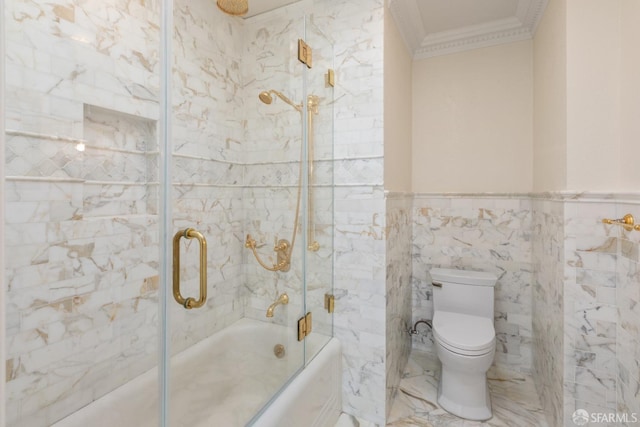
{"x": 478, "y": 232}
{"x": 568, "y": 295}
{"x": 586, "y": 307}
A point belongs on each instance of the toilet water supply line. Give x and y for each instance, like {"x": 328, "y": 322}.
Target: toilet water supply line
{"x": 414, "y": 331}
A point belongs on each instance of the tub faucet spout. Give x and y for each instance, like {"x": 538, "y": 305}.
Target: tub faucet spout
{"x": 282, "y": 299}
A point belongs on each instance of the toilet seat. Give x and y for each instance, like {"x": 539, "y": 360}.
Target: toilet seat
{"x": 464, "y": 334}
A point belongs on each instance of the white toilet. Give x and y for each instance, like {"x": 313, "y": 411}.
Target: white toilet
{"x": 465, "y": 339}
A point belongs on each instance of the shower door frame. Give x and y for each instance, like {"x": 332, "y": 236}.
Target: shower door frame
{"x": 3, "y": 302}
{"x": 164, "y": 209}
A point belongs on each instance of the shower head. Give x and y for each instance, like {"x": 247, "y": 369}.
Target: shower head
{"x": 234, "y": 7}
{"x": 267, "y": 98}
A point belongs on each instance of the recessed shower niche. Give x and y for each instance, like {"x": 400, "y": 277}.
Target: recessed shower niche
{"x": 120, "y": 163}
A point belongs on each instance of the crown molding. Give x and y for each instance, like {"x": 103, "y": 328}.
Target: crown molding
{"x": 521, "y": 26}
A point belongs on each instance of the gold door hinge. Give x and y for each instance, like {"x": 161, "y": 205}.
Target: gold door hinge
{"x": 331, "y": 78}
{"x": 304, "y": 326}
{"x": 329, "y": 302}
{"x": 304, "y": 53}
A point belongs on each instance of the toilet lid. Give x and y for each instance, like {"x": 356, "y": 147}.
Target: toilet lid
{"x": 463, "y": 331}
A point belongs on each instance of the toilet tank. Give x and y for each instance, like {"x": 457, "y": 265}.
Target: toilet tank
{"x": 463, "y": 291}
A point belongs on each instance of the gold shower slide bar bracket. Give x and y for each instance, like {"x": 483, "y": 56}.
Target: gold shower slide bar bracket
{"x": 329, "y": 303}
{"x": 331, "y": 78}
{"x": 627, "y": 222}
{"x": 189, "y": 302}
{"x": 304, "y": 53}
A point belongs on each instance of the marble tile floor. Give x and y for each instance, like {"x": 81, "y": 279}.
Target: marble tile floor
{"x": 514, "y": 400}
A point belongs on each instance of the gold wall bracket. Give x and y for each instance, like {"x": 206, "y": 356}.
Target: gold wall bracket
{"x": 304, "y": 326}
{"x": 329, "y": 302}
{"x": 627, "y": 222}
{"x": 305, "y": 53}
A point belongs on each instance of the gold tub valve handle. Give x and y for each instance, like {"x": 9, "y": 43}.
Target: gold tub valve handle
{"x": 281, "y": 247}
{"x": 250, "y": 243}
{"x": 627, "y": 222}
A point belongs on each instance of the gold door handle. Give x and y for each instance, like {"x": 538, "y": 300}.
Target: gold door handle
{"x": 190, "y": 303}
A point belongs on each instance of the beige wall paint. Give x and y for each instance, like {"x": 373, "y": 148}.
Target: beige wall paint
{"x": 550, "y": 100}
{"x": 397, "y": 109}
{"x": 593, "y": 94}
{"x": 473, "y": 121}
{"x": 630, "y": 96}
{"x": 603, "y": 95}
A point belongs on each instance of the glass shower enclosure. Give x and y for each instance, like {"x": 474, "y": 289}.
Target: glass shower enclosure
{"x": 169, "y": 209}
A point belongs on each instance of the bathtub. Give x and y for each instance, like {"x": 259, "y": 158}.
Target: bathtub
{"x": 226, "y": 379}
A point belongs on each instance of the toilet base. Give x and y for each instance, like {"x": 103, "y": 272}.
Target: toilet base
{"x": 465, "y": 395}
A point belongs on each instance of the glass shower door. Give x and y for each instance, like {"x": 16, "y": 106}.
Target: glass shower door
{"x": 234, "y": 179}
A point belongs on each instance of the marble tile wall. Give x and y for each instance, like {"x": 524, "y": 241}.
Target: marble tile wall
{"x": 590, "y": 317}
{"x": 398, "y": 314}
{"x": 356, "y": 28}
{"x": 601, "y": 319}
{"x": 585, "y": 298}
{"x": 81, "y": 234}
{"x": 628, "y": 307}
{"x": 480, "y": 232}
{"x": 360, "y": 292}
{"x": 548, "y": 306}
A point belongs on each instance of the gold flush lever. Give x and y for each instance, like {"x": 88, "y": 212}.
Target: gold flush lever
{"x": 190, "y": 303}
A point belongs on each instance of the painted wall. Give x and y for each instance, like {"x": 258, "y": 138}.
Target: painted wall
{"x": 593, "y": 97}
{"x": 472, "y": 121}
{"x": 602, "y": 66}
{"x": 550, "y": 100}
{"x": 398, "y": 94}
{"x": 630, "y": 95}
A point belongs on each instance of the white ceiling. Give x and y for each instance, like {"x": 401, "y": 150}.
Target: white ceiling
{"x": 438, "y": 27}
{"x": 256, "y": 7}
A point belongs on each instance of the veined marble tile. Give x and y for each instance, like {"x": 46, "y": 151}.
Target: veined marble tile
{"x": 483, "y": 233}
